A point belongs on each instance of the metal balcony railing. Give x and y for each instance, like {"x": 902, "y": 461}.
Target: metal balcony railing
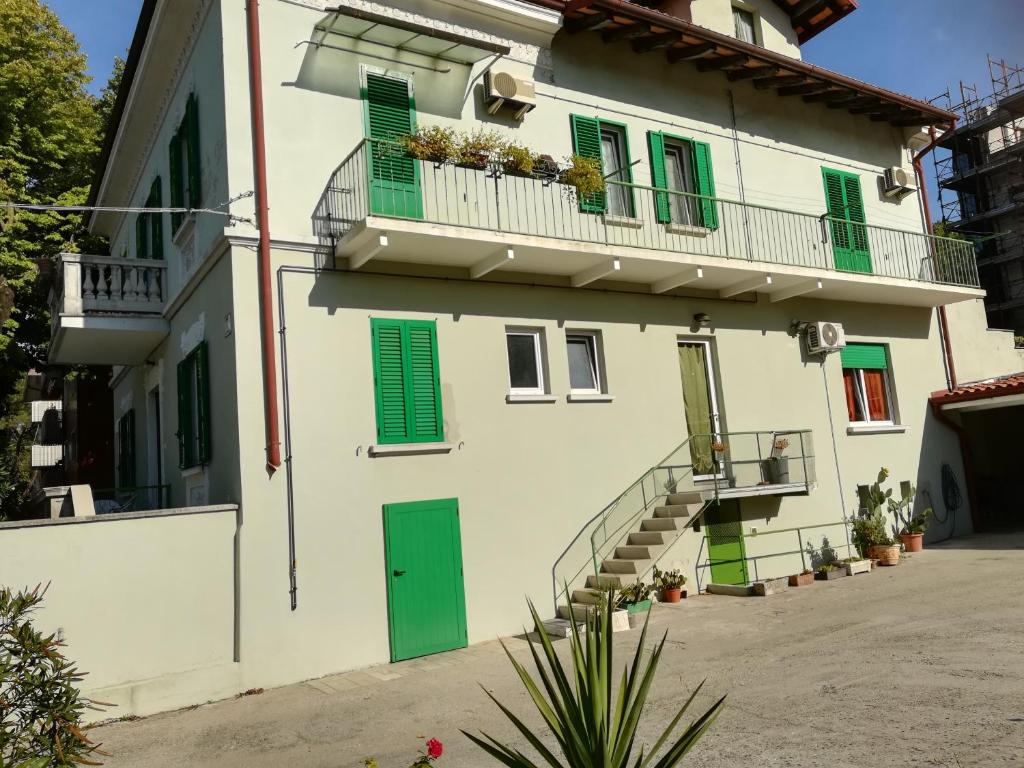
{"x": 89, "y": 284}
{"x": 376, "y": 179}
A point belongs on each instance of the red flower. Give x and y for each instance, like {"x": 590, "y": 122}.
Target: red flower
{"x": 434, "y": 749}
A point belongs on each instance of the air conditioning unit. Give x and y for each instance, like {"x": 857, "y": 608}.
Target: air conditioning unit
{"x": 825, "y": 337}
{"x": 505, "y": 89}
{"x": 898, "y": 182}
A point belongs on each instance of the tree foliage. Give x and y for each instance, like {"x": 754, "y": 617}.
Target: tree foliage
{"x": 40, "y": 706}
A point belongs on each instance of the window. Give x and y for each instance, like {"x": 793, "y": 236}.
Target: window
{"x": 866, "y": 381}
{"x": 149, "y": 227}
{"x": 194, "y": 408}
{"x": 407, "y": 381}
{"x": 525, "y": 362}
{"x": 126, "y": 449}
{"x": 845, "y": 209}
{"x": 743, "y": 22}
{"x": 607, "y": 143}
{"x": 683, "y": 165}
{"x": 584, "y": 362}
{"x": 186, "y": 178}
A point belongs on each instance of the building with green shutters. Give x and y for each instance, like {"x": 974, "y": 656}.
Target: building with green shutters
{"x": 484, "y": 383}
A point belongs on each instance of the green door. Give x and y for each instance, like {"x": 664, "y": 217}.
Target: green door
{"x": 423, "y": 556}
{"x": 394, "y": 176}
{"x": 845, "y": 202}
{"x": 725, "y": 544}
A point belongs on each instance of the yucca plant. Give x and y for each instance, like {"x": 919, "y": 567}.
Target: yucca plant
{"x": 595, "y": 727}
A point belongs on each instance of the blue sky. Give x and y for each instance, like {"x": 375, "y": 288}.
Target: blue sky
{"x": 916, "y": 47}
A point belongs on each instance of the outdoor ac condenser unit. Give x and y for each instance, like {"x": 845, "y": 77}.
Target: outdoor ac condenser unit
{"x": 825, "y": 337}
{"x": 898, "y": 182}
{"x": 504, "y": 88}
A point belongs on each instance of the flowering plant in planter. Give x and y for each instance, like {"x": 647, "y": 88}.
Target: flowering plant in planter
{"x": 584, "y": 173}
{"x": 516, "y": 159}
{"x": 476, "y": 149}
{"x": 434, "y": 750}
{"x": 434, "y": 143}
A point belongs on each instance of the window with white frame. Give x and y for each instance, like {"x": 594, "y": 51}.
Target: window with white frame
{"x": 525, "y": 361}
{"x": 583, "y": 348}
{"x": 866, "y": 379}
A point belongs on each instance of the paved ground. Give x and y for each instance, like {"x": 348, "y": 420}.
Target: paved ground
{"x": 918, "y": 665}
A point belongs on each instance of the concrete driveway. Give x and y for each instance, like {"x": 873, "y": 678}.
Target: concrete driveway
{"x": 918, "y": 665}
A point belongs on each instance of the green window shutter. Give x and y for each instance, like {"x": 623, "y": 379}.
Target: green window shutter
{"x": 407, "y": 381}
{"x": 855, "y": 210}
{"x": 845, "y": 207}
{"x": 195, "y": 187}
{"x": 586, "y": 142}
{"x": 705, "y": 183}
{"x": 424, "y": 383}
{"x": 864, "y": 356}
{"x": 156, "y": 220}
{"x": 141, "y": 236}
{"x": 202, "y": 365}
{"x": 177, "y": 182}
{"x": 659, "y": 176}
{"x": 185, "y": 453}
{"x": 389, "y": 373}
{"x": 394, "y": 176}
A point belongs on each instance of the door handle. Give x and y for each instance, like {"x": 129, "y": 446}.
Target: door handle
{"x": 398, "y": 573}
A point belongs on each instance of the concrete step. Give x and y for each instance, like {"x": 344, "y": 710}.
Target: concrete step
{"x": 642, "y": 537}
{"x": 610, "y": 580}
{"x": 685, "y": 497}
{"x": 675, "y": 510}
{"x": 561, "y": 628}
{"x": 578, "y": 611}
{"x": 589, "y": 596}
{"x": 634, "y": 552}
{"x": 627, "y": 567}
{"x": 661, "y": 524}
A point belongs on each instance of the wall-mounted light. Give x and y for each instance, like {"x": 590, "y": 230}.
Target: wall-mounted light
{"x": 703, "y": 319}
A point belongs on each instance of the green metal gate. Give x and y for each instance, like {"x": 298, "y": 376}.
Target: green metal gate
{"x": 426, "y": 599}
{"x": 726, "y": 553}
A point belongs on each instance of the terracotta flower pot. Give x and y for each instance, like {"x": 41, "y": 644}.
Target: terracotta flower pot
{"x": 669, "y": 595}
{"x": 912, "y": 542}
{"x": 801, "y": 579}
{"x": 888, "y": 555}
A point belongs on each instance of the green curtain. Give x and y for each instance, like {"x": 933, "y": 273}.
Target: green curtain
{"x": 697, "y": 404}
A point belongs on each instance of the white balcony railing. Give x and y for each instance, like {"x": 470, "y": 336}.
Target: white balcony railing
{"x": 109, "y": 284}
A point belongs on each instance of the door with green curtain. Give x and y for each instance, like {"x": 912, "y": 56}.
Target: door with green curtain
{"x": 726, "y": 553}
{"x": 700, "y": 404}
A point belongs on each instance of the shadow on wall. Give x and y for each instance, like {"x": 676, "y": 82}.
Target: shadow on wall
{"x": 941, "y": 484}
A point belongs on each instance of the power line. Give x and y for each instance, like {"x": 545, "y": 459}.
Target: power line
{"x": 42, "y": 207}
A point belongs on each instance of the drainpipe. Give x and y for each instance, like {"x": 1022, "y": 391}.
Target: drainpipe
{"x": 965, "y": 455}
{"x": 926, "y": 212}
{"x": 259, "y": 151}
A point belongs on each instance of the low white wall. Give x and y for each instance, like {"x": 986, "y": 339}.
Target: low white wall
{"x": 145, "y": 601}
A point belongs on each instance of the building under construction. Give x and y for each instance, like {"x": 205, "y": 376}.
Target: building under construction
{"x": 981, "y": 187}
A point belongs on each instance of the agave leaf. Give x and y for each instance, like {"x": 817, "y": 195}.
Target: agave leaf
{"x": 510, "y": 757}
{"x": 535, "y": 742}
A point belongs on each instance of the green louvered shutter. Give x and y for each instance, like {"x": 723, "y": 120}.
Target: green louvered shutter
{"x": 389, "y": 373}
{"x": 141, "y": 236}
{"x": 705, "y": 184}
{"x": 202, "y": 364}
{"x": 586, "y": 142}
{"x": 858, "y": 233}
{"x": 867, "y": 356}
{"x": 156, "y": 220}
{"x": 659, "y": 175}
{"x": 394, "y": 176}
{"x": 195, "y": 179}
{"x": 424, "y": 383}
{"x": 184, "y": 414}
{"x": 177, "y": 182}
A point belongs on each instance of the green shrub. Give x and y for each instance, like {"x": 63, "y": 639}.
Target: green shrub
{"x": 584, "y": 173}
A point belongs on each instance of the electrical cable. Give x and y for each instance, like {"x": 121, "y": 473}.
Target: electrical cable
{"x": 45, "y": 208}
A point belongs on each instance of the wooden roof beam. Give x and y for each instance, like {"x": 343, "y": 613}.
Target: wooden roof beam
{"x": 867, "y": 108}
{"x": 916, "y": 119}
{"x": 830, "y": 95}
{"x": 748, "y": 72}
{"x": 806, "y": 88}
{"x": 850, "y": 100}
{"x": 709, "y": 65}
{"x": 589, "y": 21}
{"x": 762, "y": 83}
{"x": 625, "y": 32}
{"x": 886, "y": 115}
{"x": 688, "y": 52}
{"x": 653, "y": 42}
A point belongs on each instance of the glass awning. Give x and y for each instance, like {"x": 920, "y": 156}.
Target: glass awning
{"x": 405, "y": 36}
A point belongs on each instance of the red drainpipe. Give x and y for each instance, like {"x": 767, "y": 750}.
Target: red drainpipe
{"x": 259, "y": 151}
{"x": 947, "y": 347}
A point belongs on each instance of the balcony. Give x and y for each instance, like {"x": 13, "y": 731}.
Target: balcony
{"x": 107, "y": 310}
{"x": 479, "y": 220}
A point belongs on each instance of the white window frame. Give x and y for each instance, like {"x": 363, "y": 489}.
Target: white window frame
{"x": 860, "y": 391}
{"x": 594, "y": 345}
{"x": 538, "y": 350}
{"x": 755, "y": 19}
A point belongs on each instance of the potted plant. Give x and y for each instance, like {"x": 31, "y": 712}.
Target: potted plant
{"x": 516, "y": 160}
{"x": 635, "y": 599}
{"x": 855, "y": 565}
{"x": 803, "y": 579}
{"x": 433, "y": 143}
{"x": 829, "y": 571}
{"x": 583, "y": 173}
{"x": 778, "y": 464}
{"x": 912, "y": 534}
{"x": 670, "y": 584}
{"x": 476, "y": 149}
